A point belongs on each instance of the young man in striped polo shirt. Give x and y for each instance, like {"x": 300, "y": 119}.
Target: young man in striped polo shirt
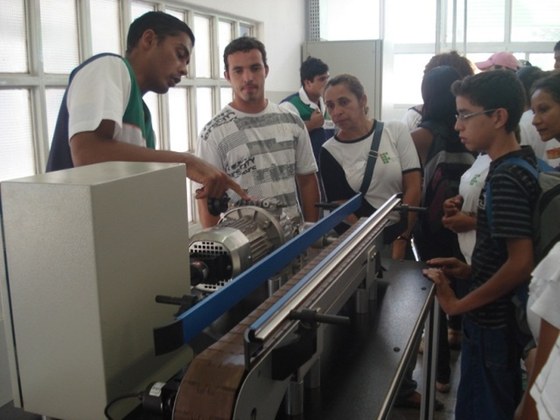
{"x": 489, "y": 107}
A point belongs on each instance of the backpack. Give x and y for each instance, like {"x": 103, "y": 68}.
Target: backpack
{"x": 443, "y": 183}
{"x": 547, "y": 208}
{"x": 447, "y": 161}
{"x": 546, "y": 231}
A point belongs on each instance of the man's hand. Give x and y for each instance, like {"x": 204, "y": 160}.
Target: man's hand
{"x": 459, "y": 222}
{"x": 214, "y": 182}
{"x": 445, "y": 294}
{"x": 315, "y": 121}
{"x": 452, "y": 206}
{"x": 452, "y": 267}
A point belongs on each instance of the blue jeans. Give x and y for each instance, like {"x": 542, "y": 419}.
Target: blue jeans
{"x": 490, "y": 384}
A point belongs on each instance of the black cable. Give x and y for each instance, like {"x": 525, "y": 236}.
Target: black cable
{"x": 122, "y": 397}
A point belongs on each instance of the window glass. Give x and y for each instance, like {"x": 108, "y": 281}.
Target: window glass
{"x": 408, "y": 74}
{"x": 420, "y": 15}
{"x": 179, "y": 15}
{"x": 245, "y": 30}
{"x": 226, "y": 96}
{"x": 17, "y": 157}
{"x": 477, "y": 57}
{"x": 13, "y": 45}
{"x": 544, "y": 61}
{"x": 203, "y": 107}
{"x": 459, "y": 16}
{"x": 339, "y": 20}
{"x": 105, "y": 32}
{"x": 53, "y": 98}
{"x": 60, "y": 35}
{"x": 58, "y": 29}
{"x": 152, "y": 102}
{"x": 202, "y": 55}
{"x": 178, "y": 120}
{"x": 538, "y": 23}
{"x": 138, "y": 8}
{"x": 224, "y": 38}
{"x": 485, "y": 20}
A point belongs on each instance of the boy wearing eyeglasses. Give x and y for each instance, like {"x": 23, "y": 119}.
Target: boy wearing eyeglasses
{"x": 489, "y": 107}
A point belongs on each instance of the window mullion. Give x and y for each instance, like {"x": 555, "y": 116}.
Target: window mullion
{"x": 439, "y": 26}
{"x": 35, "y": 49}
{"x": 214, "y": 53}
{"x": 164, "y": 135}
{"x": 508, "y": 15}
{"x": 41, "y": 142}
{"x": 125, "y": 22}
{"x": 37, "y": 94}
{"x": 84, "y": 29}
{"x": 191, "y": 90}
{"x": 214, "y": 63}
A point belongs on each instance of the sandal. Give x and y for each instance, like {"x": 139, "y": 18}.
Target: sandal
{"x": 414, "y": 401}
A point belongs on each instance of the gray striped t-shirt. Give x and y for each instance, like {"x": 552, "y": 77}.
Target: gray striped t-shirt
{"x": 263, "y": 152}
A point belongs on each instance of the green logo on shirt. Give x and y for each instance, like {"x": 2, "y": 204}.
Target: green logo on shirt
{"x": 385, "y": 157}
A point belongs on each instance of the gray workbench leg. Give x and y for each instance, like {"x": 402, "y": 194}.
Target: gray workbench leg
{"x": 294, "y": 397}
{"x": 429, "y": 363}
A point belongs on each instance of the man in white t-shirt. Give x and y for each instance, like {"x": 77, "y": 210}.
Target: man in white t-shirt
{"x": 266, "y": 149}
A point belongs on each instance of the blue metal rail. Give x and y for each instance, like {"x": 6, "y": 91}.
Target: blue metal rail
{"x": 193, "y": 321}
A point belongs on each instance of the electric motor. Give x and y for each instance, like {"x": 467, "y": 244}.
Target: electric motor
{"x": 244, "y": 236}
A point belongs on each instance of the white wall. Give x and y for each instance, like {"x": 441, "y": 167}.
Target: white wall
{"x": 282, "y": 31}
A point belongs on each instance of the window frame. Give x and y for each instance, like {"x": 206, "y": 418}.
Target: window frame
{"x": 37, "y": 82}
{"x": 447, "y": 12}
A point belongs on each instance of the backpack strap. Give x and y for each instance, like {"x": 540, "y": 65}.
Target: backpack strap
{"x": 372, "y": 157}
{"x": 525, "y": 165}
{"x": 544, "y": 166}
{"x": 515, "y": 161}
{"x": 413, "y": 108}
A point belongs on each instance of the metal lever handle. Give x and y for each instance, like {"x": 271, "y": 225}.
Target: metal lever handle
{"x": 311, "y": 315}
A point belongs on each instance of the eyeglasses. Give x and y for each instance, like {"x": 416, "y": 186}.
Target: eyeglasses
{"x": 465, "y": 117}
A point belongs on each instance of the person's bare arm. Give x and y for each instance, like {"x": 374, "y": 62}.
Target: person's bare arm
{"x": 511, "y": 274}
{"x": 90, "y": 147}
{"x": 459, "y": 222}
{"x": 412, "y": 193}
{"x": 422, "y": 139}
{"x": 351, "y": 218}
{"x": 309, "y": 194}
